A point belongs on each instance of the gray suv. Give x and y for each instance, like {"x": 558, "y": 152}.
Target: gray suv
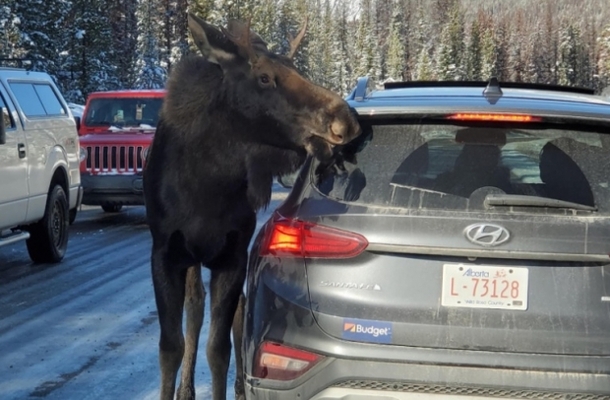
{"x": 458, "y": 249}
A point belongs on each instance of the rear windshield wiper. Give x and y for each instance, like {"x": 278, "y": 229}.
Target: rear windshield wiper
{"x": 533, "y": 201}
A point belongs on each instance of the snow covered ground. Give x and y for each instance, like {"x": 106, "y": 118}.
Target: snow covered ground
{"x": 87, "y": 328}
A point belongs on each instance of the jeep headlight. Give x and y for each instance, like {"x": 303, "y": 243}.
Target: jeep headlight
{"x": 145, "y": 153}
{"x": 83, "y": 154}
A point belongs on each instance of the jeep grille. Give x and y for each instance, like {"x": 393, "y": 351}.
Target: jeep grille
{"x": 114, "y": 159}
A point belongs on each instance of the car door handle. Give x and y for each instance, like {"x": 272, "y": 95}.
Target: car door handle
{"x": 21, "y": 148}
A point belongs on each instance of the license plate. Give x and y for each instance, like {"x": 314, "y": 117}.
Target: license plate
{"x": 484, "y": 286}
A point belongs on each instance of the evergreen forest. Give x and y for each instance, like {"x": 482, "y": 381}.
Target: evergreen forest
{"x": 90, "y": 45}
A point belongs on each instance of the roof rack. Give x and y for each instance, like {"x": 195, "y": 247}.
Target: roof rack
{"x": 364, "y": 86}
{"x": 21, "y": 63}
{"x": 483, "y": 84}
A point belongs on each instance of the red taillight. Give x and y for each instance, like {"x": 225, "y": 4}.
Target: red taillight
{"x": 294, "y": 238}
{"x": 279, "y": 362}
{"x": 494, "y": 117}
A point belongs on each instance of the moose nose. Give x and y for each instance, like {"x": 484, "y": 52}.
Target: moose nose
{"x": 337, "y": 131}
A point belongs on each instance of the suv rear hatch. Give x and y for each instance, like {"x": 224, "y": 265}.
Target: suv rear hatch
{"x": 482, "y": 236}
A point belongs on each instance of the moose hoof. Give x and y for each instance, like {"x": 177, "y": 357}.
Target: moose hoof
{"x": 185, "y": 393}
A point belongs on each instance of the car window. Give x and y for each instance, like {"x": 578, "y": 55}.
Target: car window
{"x": 431, "y": 166}
{"x": 123, "y": 111}
{"x": 6, "y": 115}
{"x": 49, "y": 100}
{"x": 37, "y": 99}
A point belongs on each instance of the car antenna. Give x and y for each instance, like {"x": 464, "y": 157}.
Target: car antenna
{"x": 492, "y": 91}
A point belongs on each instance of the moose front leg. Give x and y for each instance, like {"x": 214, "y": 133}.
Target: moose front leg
{"x": 226, "y": 298}
{"x": 169, "y": 295}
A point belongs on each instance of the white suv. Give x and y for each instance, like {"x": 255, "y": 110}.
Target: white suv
{"x": 39, "y": 164}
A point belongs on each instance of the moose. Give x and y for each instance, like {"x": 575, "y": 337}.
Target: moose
{"x": 233, "y": 118}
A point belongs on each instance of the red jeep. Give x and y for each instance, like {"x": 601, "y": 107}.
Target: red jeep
{"x": 115, "y": 131}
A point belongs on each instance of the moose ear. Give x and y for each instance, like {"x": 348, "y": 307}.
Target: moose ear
{"x": 212, "y": 43}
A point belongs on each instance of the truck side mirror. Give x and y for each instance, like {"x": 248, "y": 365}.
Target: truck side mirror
{"x": 77, "y": 120}
{"x": 2, "y": 127}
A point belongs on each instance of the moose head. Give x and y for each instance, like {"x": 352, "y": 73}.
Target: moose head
{"x": 260, "y": 85}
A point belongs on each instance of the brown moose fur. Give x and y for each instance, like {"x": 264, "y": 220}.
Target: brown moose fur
{"x": 231, "y": 121}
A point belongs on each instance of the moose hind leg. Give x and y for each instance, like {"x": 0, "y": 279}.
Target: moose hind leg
{"x": 238, "y": 333}
{"x": 228, "y": 275}
{"x": 194, "y": 304}
{"x": 169, "y": 295}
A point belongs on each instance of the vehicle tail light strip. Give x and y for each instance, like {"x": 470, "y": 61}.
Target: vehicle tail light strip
{"x": 280, "y": 362}
{"x": 494, "y": 117}
{"x": 295, "y": 238}
{"x": 114, "y": 159}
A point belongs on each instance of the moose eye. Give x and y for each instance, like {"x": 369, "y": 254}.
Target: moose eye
{"x": 264, "y": 80}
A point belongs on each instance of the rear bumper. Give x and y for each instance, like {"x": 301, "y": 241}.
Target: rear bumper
{"x": 112, "y": 189}
{"x": 358, "y": 371}
{"x": 361, "y": 378}
{"x": 343, "y": 379}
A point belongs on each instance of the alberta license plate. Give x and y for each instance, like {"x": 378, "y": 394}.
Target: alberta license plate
{"x": 484, "y": 286}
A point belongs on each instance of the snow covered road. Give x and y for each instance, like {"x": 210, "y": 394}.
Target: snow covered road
{"x": 87, "y": 327}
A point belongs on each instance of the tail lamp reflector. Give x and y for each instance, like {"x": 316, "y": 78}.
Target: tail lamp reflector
{"x": 494, "y": 117}
{"x": 280, "y": 362}
{"x": 295, "y": 238}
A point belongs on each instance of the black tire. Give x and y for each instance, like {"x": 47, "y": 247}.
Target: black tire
{"x": 72, "y": 215}
{"x": 49, "y": 237}
{"x": 112, "y": 208}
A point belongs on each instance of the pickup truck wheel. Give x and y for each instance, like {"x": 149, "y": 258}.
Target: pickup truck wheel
{"x": 112, "y": 207}
{"x": 49, "y": 237}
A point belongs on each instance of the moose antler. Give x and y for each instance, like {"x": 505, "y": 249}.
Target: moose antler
{"x": 295, "y": 42}
{"x": 239, "y": 33}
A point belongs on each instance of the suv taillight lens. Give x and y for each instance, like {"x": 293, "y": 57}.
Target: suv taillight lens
{"x": 280, "y": 362}
{"x": 490, "y": 117}
{"x": 295, "y": 238}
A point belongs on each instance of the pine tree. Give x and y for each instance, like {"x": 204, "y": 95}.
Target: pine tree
{"x": 204, "y": 9}
{"x": 397, "y": 58}
{"x": 450, "y": 57}
{"x": 382, "y": 22}
{"x": 474, "y": 53}
{"x": 11, "y": 44}
{"x": 535, "y": 60}
{"x": 571, "y": 63}
{"x": 501, "y": 40}
{"x": 603, "y": 63}
{"x": 366, "y": 63}
{"x": 124, "y": 37}
{"x": 342, "y": 72}
{"x": 46, "y": 36}
{"x": 516, "y": 64}
{"x": 173, "y": 43}
{"x": 87, "y": 64}
{"x": 150, "y": 73}
{"x": 489, "y": 54}
{"x": 548, "y": 45}
{"x": 425, "y": 68}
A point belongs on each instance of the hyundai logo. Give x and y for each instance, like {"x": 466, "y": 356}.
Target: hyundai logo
{"x": 487, "y": 235}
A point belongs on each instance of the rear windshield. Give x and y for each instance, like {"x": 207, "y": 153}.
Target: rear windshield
{"x": 462, "y": 168}
{"x": 123, "y": 112}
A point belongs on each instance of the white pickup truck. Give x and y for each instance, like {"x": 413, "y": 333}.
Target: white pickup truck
{"x": 39, "y": 164}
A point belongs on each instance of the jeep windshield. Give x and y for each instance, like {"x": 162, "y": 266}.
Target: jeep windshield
{"x": 432, "y": 165}
{"x": 122, "y": 112}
